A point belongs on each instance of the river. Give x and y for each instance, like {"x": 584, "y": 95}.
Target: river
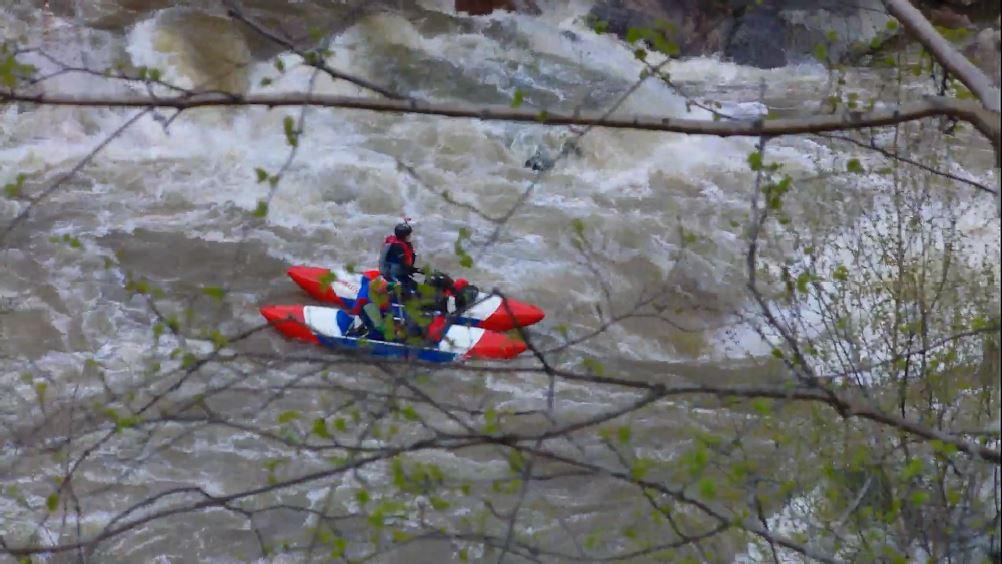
{"x": 173, "y": 203}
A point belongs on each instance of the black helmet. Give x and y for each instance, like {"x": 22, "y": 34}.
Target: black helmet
{"x": 440, "y": 280}
{"x": 402, "y": 230}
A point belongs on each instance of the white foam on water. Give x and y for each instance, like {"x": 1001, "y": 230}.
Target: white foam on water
{"x": 344, "y": 191}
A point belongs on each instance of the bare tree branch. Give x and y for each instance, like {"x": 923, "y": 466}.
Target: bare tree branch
{"x": 930, "y": 106}
{"x": 312, "y": 59}
{"x": 899, "y": 157}
{"x": 945, "y": 53}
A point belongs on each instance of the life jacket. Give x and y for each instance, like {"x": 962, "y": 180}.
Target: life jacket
{"x": 436, "y": 329}
{"x": 408, "y": 250}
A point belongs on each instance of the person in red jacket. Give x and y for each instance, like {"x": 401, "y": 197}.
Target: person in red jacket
{"x": 396, "y": 261}
{"x": 448, "y": 295}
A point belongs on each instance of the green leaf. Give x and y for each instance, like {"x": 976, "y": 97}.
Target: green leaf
{"x": 708, "y": 488}
{"x": 515, "y": 460}
{"x": 362, "y": 496}
{"x": 312, "y": 58}
{"x": 953, "y": 496}
{"x": 262, "y": 174}
{"x": 963, "y": 93}
{"x": 287, "y": 416}
{"x": 913, "y": 469}
{"x": 218, "y": 339}
{"x": 279, "y": 65}
{"x": 13, "y": 189}
{"x": 439, "y": 504}
{"x": 802, "y": 280}
{"x": 593, "y": 365}
{"x": 490, "y": 421}
{"x": 762, "y": 406}
{"x": 409, "y": 413}
{"x": 214, "y": 292}
{"x": 841, "y": 273}
{"x": 784, "y": 185}
{"x": 340, "y": 424}
{"x": 624, "y": 434}
{"x": 517, "y": 100}
{"x": 52, "y": 502}
{"x": 326, "y": 279}
{"x": 466, "y": 261}
{"x": 892, "y": 25}
{"x": 316, "y": 34}
{"x": 377, "y": 518}
{"x": 188, "y": 360}
{"x": 340, "y": 545}
{"x": 919, "y": 498}
{"x": 262, "y": 209}
{"x": 639, "y": 468}
{"x": 755, "y": 160}
{"x": 953, "y": 34}
{"x": 635, "y": 34}
{"x": 155, "y": 75}
{"x": 854, "y": 166}
{"x": 291, "y": 136}
{"x": 126, "y": 422}
{"x": 821, "y": 52}
{"x": 320, "y": 428}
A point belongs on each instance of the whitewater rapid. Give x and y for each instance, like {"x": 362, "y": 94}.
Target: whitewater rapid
{"x": 172, "y": 201}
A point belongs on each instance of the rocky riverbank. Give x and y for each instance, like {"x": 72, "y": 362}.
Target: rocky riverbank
{"x": 775, "y": 33}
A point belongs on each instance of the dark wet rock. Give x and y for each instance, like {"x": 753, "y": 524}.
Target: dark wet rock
{"x": 771, "y": 34}
{"x": 696, "y": 26}
{"x": 758, "y": 40}
{"x": 484, "y": 7}
{"x": 947, "y": 17}
{"x": 544, "y": 159}
{"x": 986, "y": 52}
{"x": 539, "y": 161}
{"x": 570, "y": 35}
